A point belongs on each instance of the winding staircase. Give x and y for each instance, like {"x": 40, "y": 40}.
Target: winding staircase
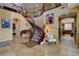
{"x": 37, "y": 33}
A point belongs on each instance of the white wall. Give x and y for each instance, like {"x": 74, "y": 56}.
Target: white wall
{"x": 39, "y": 20}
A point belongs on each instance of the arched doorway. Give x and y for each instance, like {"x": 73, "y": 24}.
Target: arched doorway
{"x": 15, "y": 30}
{"x": 67, "y": 26}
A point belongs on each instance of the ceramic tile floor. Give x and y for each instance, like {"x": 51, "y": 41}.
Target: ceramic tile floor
{"x": 65, "y": 48}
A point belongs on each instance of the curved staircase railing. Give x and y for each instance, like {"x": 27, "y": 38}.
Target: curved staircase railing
{"x": 37, "y": 32}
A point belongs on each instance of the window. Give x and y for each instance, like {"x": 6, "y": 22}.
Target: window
{"x": 68, "y": 26}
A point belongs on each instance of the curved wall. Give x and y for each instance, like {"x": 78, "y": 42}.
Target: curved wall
{"x": 6, "y": 34}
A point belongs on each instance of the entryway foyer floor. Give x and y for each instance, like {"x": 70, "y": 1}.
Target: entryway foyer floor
{"x": 66, "y": 48}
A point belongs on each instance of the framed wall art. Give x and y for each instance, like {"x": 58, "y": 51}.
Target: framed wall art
{"x": 50, "y": 19}
{"x": 5, "y": 23}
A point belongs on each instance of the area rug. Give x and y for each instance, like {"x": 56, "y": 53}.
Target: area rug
{"x": 30, "y": 44}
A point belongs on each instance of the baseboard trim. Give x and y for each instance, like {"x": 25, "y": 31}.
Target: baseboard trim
{"x": 5, "y": 43}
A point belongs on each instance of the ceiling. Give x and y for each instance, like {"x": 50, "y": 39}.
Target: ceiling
{"x": 30, "y": 6}
{"x": 37, "y": 8}
{"x": 46, "y": 5}
{"x": 32, "y": 9}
